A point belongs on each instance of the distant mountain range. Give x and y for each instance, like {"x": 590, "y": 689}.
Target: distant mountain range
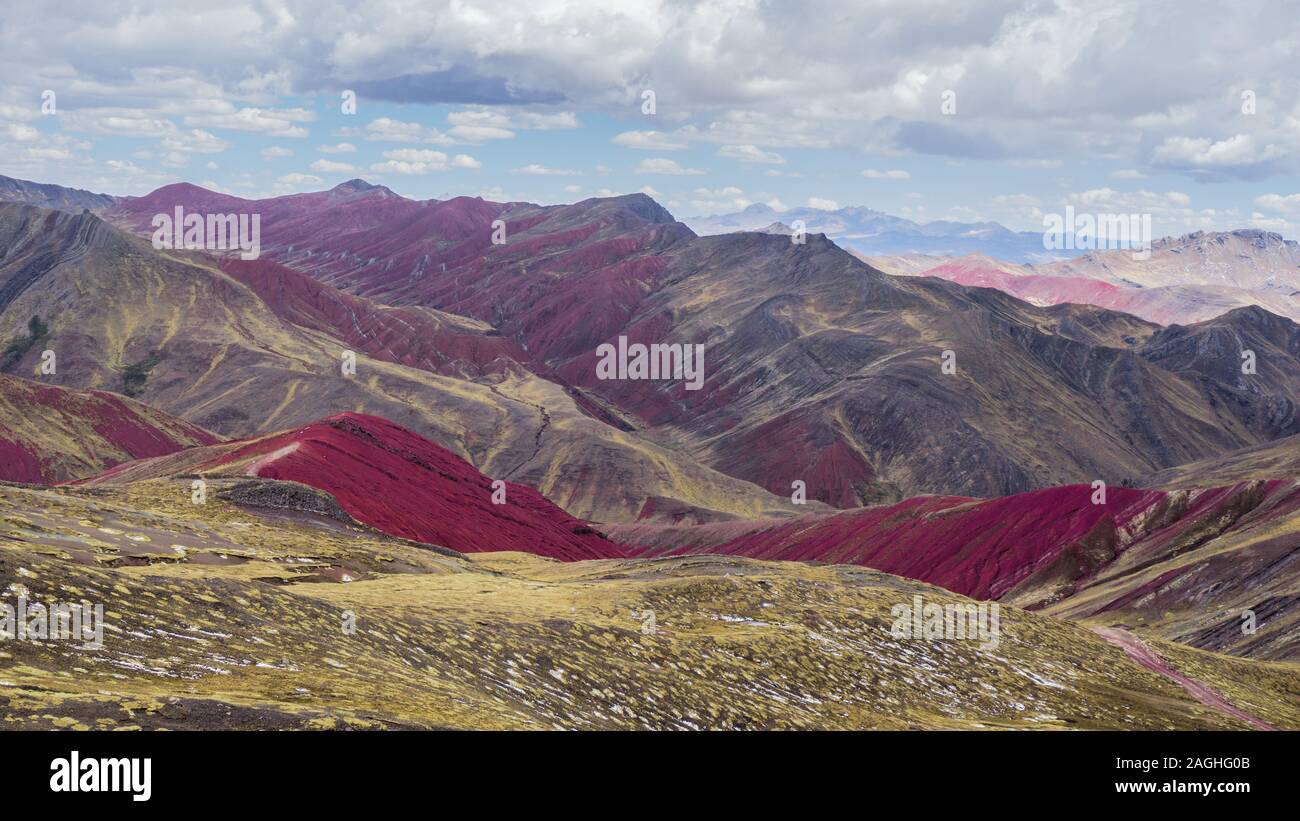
{"x": 57, "y": 197}
{"x": 867, "y": 231}
{"x": 1186, "y": 279}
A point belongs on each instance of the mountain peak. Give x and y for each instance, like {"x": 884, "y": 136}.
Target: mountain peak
{"x": 638, "y": 203}
{"x": 354, "y": 184}
{"x": 360, "y": 186}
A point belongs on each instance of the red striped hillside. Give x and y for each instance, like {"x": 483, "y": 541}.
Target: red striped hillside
{"x": 50, "y": 434}
{"x": 397, "y": 482}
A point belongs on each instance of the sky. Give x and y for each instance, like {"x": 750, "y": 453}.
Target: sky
{"x": 981, "y": 110}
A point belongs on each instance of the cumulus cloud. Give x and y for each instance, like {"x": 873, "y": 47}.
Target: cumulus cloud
{"x": 1238, "y": 155}
{"x": 269, "y": 122}
{"x": 331, "y": 167}
{"x": 714, "y": 193}
{"x": 1028, "y": 77}
{"x": 665, "y": 166}
{"x": 49, "y": 154}
{"x": 892, "y": 174}
{"x": 1287, "y": 204}
{"x": 386, "y": 129}
{"x": 303, "y": 179}
{"x": 479, "y": 133}
{"x": 504, "y": 119}
{"x": 194, "y": 141}
{"x": 122, "y": 122}
{"x": 751, "y": 154}
{"x": 649, "y": 141}
{"x": 1034, "y": 85}
{"x": 541, "y": 170}
{"x": 422, "y": 161}
{"x": 22, "y": 133}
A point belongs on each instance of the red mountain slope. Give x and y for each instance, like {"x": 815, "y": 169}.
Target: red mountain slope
{"x": 538, "y": 287}
{"x": 395, "y": 481}
{"x": 818, "y": 369}
{"x": 1039, "y": 545}
{"x": 50, "y": 434}
{"x": 422, "y": 338}
{"x": 1038, "y": 289}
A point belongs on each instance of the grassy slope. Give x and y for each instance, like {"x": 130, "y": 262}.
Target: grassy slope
{"x": 1279, "y": 459}
{"x": 222, "y": 616}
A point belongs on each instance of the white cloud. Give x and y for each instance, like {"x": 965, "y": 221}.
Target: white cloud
{"x": 22, "y": 133}
{"x": 422, "y": 161}
{"x": 124, "y": 166}
{"x": 543, "y": 121}
{"x": 892, "y": 174}
{"x": 267, "y": 121}
{"x": 386, "y": 129}
{"x": 1039, "y": 163}
{"x": 331, "y": 167}
{"x": 1172, "y": 212}
{"x": 1204, "y": 154}
{"x": 124, "y": 122}
{"x": 648, "y": 141}
{"x": 341, "y": 148}
{"x": 479, "y": 124}
{"x": 174, "y": 159}
{"x": 728, "y": 191}
{"x": 275, "y": 152}
{"x": 500, "y": 120}
{"x": 1011, "y": 200}
{"x": 541, "y": 170}
{"x": 1287, "y": 204}
{"x": 1035, "y": 80}
{"x": 18, "y": 112}
{"x": 295, "y": 184}
{"x": 665, "y": 166}
{"x": 194, "y": 141}
{"x": 479, "y": 133}
{"x": 1110, "y": 200}
{"x": 751, "y": 154}
{"x": 823, "y": 204}
{"x": 49, "y": 154}
{"x": 719, "y": 200}
{"x": 300, "y": 179}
